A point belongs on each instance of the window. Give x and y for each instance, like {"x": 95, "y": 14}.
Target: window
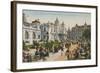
{"x": 44, "y": 29}
{"x": 26, "y": 41}
{"x": 44, "y": 37}
{"x": 35, "y": 26}
{"x": 26, "y": 35}
{"x": 34, "y": 36}
{"x": 38, "y": 36}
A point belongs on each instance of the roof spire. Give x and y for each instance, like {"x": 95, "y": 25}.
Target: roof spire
{"x": 85, "y": 23}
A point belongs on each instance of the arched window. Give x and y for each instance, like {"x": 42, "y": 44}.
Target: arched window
{"x": 26, "y": 35}
{"x": 34, "y": 36}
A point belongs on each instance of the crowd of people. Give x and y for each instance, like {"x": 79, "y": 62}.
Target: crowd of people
{"x": 77, "y": 52}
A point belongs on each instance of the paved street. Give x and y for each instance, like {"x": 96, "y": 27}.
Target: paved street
{"x": 57, "y": 56}
{"x": 61, "y": 56}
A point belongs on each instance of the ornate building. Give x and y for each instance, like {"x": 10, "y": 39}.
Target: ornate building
{"x": 57, "y": 31}
{"x": 76, "y": 32}
{"x": 37, "y": 31}
{"x": 31, "y": 31}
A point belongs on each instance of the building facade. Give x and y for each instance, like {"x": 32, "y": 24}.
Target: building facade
{"x": 31, "y": 32}
{"x": 76, "y": 32}
{"x": 37, "y": 31}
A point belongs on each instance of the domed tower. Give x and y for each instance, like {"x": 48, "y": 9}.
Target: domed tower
{"x": 85, "y": 23}
{"x": 56, "y": 29}
{"x": 56, "y": 25}
{"x": 62, "y": 27}
{"x": 56, "y": 21}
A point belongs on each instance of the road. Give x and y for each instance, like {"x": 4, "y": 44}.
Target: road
{"x": 59, "y": 56}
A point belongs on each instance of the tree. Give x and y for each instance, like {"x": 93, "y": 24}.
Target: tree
{"x": 86, "y": 34}
{"x": 55, "y": 43}
{"x": 48, "y": 45}
{"x": 24, "y": 45}
{"x": 35, "y": 44}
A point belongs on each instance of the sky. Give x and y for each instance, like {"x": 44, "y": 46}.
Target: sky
{"x": 69, "y": 18}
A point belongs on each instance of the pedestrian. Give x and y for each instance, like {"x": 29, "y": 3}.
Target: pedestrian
{"x": 42, "y": 55}
{"x": 29, "y": 57}
{"x": 37, "y": 54}
{"x": 67, "y": 54}
{"x": 61, "y": 50}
